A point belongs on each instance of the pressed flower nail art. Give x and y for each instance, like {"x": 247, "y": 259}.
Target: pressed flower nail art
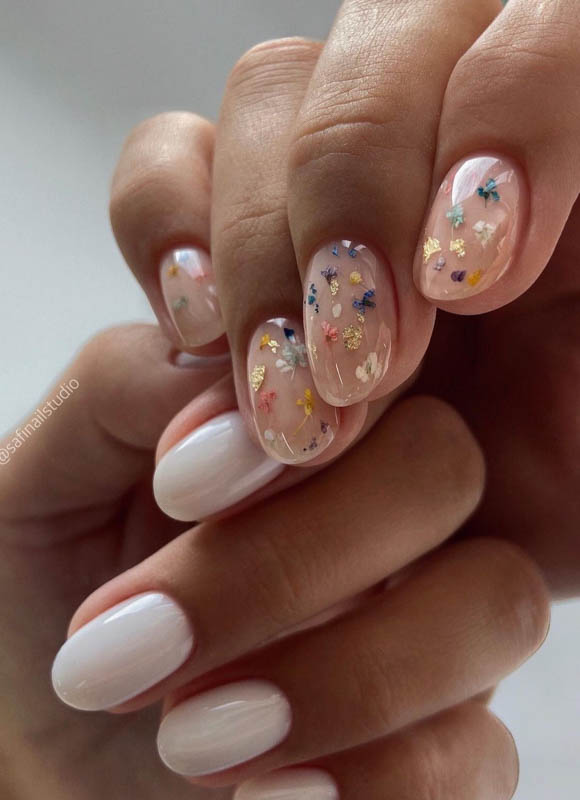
{"x": 190, "y": 294}
{"x": 348, "y": 314}
{"x": 293, "y": 422}
{"x": 472, "y": 229}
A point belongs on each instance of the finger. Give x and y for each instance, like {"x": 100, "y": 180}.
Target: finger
{"x": 245, "y": 580}
{"x": 471, "y": 614}
{"x": 460, "y": 753}
{"x": 160, "y": 213}
{"x": 94, "y": 434}
{"x": 254, "y": 259}
{"x": 508, "y": 148}
{"x": 360, "y": 172}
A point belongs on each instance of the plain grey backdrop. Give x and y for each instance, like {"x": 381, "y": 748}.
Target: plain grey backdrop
{"x": 75, "y": 76}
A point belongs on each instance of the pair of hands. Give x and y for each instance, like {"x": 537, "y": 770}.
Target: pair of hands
{"x": 84, "y": 485}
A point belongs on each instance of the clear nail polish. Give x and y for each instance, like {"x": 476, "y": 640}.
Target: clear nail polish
{"x": 348, "y": 317}
{"x": 293, "y": 422}
{"x": 471, "y": 230}
{"x": 190, "y": 294}
{"x": 299, "y": 783}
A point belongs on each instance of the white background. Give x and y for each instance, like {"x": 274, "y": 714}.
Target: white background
{"x": 75, "y": 76}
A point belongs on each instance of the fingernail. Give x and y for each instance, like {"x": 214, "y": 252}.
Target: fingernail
{"x": 293, "y": 422}
{"x": 223, "y": 727}
{"x": 348, "y": 316}
{"x": 190, "y": 294}
{"x": 471, "y": 230}
{"x": 289, "y": 784}
{"x": 122, "y": 652}
{"x": 214, "y": 467}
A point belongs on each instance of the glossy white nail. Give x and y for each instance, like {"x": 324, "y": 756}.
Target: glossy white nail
{"x": 122, "y": 652}
{"x": 214, "y": 467}
{"x": 290, "y": 784}
{"x": 222, "y": 727}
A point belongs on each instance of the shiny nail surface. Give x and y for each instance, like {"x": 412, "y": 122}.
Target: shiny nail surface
{"x": 190, "y": 294}
{"x": 348, "y": 316}
{"x": 122, "y": 652}
{"x": 290, "y": 784}
{"x": 214, "y": 467}
{"x": 293, "y": 422}
{"x": 471, "y": 230}
{"x": 222, "y": 727}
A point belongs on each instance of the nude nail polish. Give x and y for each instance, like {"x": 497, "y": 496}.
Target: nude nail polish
{"x": 212, "y": 468}
{"x": 223, "y": 727}
{"x": 125, "y": 650}
{"x": 472, "y": 229}
{"x": 293, "y": 422}
{"x": 190, "y": 294}
{"x": 348, "y": 318}
{"x": 289, "y": 784}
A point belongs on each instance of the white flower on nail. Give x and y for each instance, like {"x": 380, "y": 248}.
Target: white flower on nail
{"x": 484, "y": 231}
{"x": 269, "y": 435}
{"x": 364, "y": 372}
{"x": 336, "y": 310}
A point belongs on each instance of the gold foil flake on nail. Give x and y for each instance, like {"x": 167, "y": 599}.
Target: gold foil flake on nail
{"x": 352, "y": 337}
{"x": 267, "y": 341}
{"x": 474, "y": 278}
{"x": 257, "y": 376}
{"x": 457, "y": 246}
{"x": 313, "y": 351}
{"x": 430, "y": 247}
{"x": 361, "y": 317}
{"x": 180, "y": 303}
{"x": 355, "y": 277}
{"x": 334, "y": 286}
{"x": 173, "y": 270}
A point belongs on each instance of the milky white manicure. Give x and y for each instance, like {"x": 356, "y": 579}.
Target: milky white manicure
{"x": 222, "y": 727}
{"x": 125, "y": 650}
{"x": 214, "y": 467}
{"x": 289, "y": 784}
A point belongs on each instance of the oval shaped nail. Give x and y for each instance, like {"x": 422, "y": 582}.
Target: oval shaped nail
{"x": 190, "y": 293}
{"x": 214, "y": 467}
{"x": 222, "y": 727}
{"x": 472, "y": 229}
{"x": 348, "y": 317}
{"x": 125, "y": 650}
{"x": 293, "y": 422}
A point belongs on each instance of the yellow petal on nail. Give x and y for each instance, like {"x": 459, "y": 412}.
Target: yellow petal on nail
{"x": 173, "y": 270}
{"x": 355, "y": 277}
{"x": 430, "y": 247}
{"x": 474, "y": 278}
{"x": 257, "y": 376}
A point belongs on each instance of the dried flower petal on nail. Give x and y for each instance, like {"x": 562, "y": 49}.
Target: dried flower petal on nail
{"x": 458, "y": 275}
{"x": 457, "y": 246}
{"x": 484, "y": 231}
{"x": 365, "y": 302}
{"x": 368, "y": 370}
{"x": 335, "y": 250}
{"x": 324, "y": 426}
{"x": 336, "y": 310}
{"x": 329, "y": 273}
{"x": 267, "y": 341}
{"x": 173, "y": 270}
{"x": 455, "y": 214}
{"x": 307, "y": 402}
{"x": 355, "y": 277}
{"x": 180, "y": 303}
{"x": 430, "y": 247}
{"x": 266, "y": 400}
{"x": 353, "y": 252}
{"x": 489, "y": 190}
{"x": 257, "y": 376}
{"x": 474, "y": 278}
{"x": 330, "y": 332}
{"x": 440, "y": 263}
{"x": 352, "y": 337}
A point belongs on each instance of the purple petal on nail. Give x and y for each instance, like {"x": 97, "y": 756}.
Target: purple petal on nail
{"x": 458, "y": 275}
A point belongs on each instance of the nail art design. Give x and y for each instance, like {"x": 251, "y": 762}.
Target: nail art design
{"x": 347, "y": 324}
{"x": 472, "y": 229}
{"x": 190, "y": 294}
{"x": 293, "y": 421}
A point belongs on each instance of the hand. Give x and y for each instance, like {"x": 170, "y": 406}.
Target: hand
{"x": 367, "y": 147}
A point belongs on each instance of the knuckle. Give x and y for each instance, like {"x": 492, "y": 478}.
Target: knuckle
{"x": 516, "y": 594}
{"x": 269, "y": 65}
